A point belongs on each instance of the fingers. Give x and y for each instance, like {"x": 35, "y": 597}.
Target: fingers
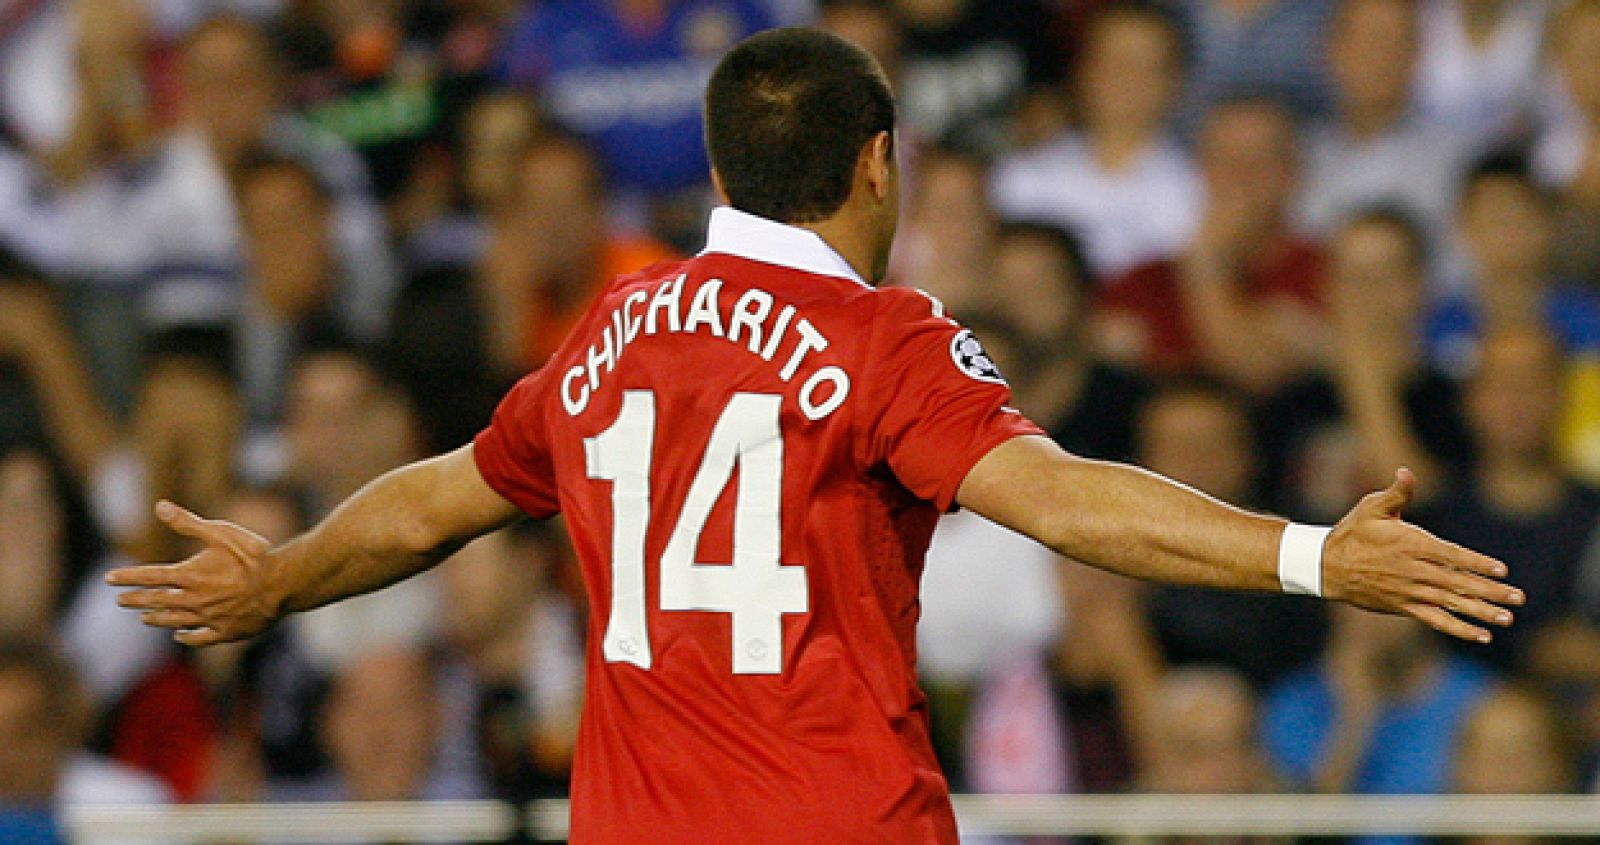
{"x": 172, "y": 618}
{"x": 154, "y": 575}
{"x": 1441, "y": 621}
{"x": 158, "y": 599}
{"x": 1464, "y": 559}
{"x": 1461, "y": 605}
{"x": 1393, "y": 501}
{"x": 200, "y": 637}
{"x": 1467, "y": 584}
{"x": 184, "y": 521}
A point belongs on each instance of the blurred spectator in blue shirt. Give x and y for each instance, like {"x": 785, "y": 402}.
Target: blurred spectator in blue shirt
{"x": 1507, "y": 224}
{"x": 629, "y": 75}
{"x": 1379, "y": 716}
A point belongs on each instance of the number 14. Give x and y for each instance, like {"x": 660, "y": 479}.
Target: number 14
{"x": 757, "y": 589}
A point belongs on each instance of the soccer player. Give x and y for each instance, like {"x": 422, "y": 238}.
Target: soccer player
{"x": 751, "y": 448}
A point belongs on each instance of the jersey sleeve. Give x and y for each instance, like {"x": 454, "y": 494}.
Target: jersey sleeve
{"x": 513, "y": 453}
{"x": 940, "y": 404}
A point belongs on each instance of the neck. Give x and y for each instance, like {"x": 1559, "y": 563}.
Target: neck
{"x": 1117, "y": 147}
{"x": 1521, "y": 484}
{"x": 852, "y": 236}
{"x": 1481, "y": 20}
{"x": 1368, "y": 120}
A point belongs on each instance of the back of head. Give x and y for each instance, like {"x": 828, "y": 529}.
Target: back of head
{"x": 788, "y": 112}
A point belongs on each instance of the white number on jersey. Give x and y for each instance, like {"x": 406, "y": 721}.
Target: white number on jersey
{"x": 757, "y": 589}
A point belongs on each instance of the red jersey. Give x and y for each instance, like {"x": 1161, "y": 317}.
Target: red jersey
{"x": 751, "y": 449}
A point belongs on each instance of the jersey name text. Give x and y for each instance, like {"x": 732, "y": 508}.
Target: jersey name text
{"x": 749, "y": 322}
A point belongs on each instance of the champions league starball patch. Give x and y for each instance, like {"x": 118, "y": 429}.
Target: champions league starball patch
{"x": 970, "y": 358}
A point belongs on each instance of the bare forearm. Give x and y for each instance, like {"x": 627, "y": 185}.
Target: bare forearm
{"x": 1136, "y": 523}
{"x": 1124, "y": 519}
{"x": 395, "y": 527}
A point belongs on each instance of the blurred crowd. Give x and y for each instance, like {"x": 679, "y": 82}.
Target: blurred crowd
{"x": 254, "y": 253}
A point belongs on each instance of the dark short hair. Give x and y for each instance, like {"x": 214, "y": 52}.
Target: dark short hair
{"x": 787, "y": 113}
{"x": 1509, "y": 164}
{"x": 1074, "y": 264}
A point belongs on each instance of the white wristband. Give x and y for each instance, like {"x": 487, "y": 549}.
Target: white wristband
{"x": 1300, "y": 558}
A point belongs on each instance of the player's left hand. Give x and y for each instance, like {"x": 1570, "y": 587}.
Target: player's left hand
{"x": 219, "y": 595}
{"x": 1376, "y": 560}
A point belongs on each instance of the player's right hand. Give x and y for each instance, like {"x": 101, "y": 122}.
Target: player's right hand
{"x": 1376, "y": 560}
{"x": 223, "y": 593}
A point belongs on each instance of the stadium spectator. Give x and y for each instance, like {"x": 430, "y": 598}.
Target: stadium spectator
{"x": 44, "y": 719}
{"x": 1517, "y": 501}
{"x": 1515, "y": 743}
{"x": 1376, "y": 149}
{"x": 966, "y": 64}
{"x": 1079, "y": 717}
{"x": 347, "y": 423}
{"x": 1380, "y": 715}
{"x": 950, "y": 230}
{"x": 1041, "y": 283}
{"x": 554, "y": 253}
{"x": 1204, "y": 721}
{"x": 1199, "y": 433}
{"x": 389, "y": 78}
{"x": 173, "y": 233}
{"x": 1507, "y": 225}
{"x": 629, "y": 77}
{"x": 381, "y": 726}
{"x": 1381, "y": 404}
{"x": 1479, "y": 71}
{"x": 1243, "y": 298}
{"x": 54, "y": 397}
{"x": 1566, "y": 157}
{"x": 516, "y": 667}
{"x": 494, "y": 134}
{"x": 871, "y": 24}
{"x": 1119, "y": 180}
{"x": 293, "y": 289}
{"x": 1262, "y": 47}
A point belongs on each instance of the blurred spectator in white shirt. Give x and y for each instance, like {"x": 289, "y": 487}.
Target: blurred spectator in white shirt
{"x": 170, "y": 228}
{"x": 1478, "y": 75}
{"x": 1120, "y": 180}
{"x": 1376, "y": 149}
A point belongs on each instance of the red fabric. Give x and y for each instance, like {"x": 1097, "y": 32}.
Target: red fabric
{"x": 166, "y": 727}
{"x": 1150, "y": 293}
{"x": 835, "y": 748}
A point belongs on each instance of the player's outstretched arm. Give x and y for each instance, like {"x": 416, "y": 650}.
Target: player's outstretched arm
{"x": 400, "y": 524}
{"x": 1135, "y": 522}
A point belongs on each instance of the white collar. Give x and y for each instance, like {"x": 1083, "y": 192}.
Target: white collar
{"x": 735, "y": 232}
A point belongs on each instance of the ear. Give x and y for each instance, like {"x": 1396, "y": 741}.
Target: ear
{"x": 878, "y": 164}
{"x": 716, "y": 185}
